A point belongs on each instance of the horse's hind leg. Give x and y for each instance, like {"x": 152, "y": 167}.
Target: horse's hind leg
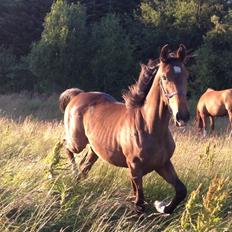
{"x": 72, "y": 160}
{"x": 212, "y": 124}
{"x": 169, "y": 174}
{"x": 203, "y": 117}
{"x": 87, "y": 162}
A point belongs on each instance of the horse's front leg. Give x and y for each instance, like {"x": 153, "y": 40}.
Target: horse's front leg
{"x": 136, "y": 176}
{"x": 169, "y": 174}
{"x": 230, "y": 119}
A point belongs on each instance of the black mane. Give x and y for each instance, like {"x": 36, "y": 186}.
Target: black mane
{"x": 136, "y": 95}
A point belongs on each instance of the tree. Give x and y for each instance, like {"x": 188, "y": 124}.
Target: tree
{"x": 14, "y": 73}
{"x": 21, "y": 23}
{"x": 112, "y": 55}
{"x": 181, "y": 21}
{"x": 213, "y": 67}
{"x": 96, "y": 9}
{"x": 59, "y": 58}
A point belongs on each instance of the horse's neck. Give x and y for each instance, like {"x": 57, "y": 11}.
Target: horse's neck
{"x": 155, "y": 112}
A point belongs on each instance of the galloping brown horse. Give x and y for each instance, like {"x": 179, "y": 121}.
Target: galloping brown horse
{"x": 134, "y": 135}
{"x": 213, "y": 104}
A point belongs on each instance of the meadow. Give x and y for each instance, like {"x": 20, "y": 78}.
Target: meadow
{"x": 39, "y": 193}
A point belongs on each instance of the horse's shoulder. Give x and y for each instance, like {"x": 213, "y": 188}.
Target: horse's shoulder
{"x": 208, "y": 94}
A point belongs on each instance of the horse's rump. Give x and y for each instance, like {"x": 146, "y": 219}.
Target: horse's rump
{"x": 214, "y": 103}
{"x": 66, "y": 97}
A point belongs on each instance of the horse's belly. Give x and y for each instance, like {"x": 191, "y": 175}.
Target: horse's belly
{"x": 218, "y": 112}
{"x": 111, "y": 155}
{"x": 216, "y": 109}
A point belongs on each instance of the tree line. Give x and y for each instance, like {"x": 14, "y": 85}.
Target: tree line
{"x": 47, "y": 46}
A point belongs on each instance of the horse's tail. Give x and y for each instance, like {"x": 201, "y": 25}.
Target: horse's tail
{"x": 198, "y": 119}
{"x": 66, "y": 97}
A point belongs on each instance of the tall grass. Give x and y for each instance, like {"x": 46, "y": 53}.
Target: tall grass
{"x": 38, "y": 192}
{"x": 20, "y": 106}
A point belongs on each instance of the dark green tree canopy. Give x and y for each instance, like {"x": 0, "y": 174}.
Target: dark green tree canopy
{"x": 21, "y": 23}
{"x": 97, "y": 45}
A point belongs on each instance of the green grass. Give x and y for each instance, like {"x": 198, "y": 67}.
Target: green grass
{"x": 30, "y": 200}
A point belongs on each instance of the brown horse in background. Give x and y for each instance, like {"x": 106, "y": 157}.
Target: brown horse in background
{"x": 134, "y": 135}
{"x": 213, "y": 104}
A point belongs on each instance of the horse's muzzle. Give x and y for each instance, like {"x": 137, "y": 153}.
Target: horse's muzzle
{"x": 182, "y": 118}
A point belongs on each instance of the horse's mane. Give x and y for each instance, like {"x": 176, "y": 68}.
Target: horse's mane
{"x": 136, "y": 95}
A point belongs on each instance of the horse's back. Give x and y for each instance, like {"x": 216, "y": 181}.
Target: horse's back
{"x": 92, "y": 106}
{"x": 90, "y": 98}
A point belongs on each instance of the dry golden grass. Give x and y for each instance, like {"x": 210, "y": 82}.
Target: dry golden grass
{"x": 32, "y": 201}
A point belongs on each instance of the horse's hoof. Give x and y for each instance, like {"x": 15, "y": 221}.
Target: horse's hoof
{"x": 139, "y": 209}
{"x": 230, "y": 135}
{"x": 145, "y": 203}
{"x": 204, "y": 134}
{"x": 160, "y": 207}
{"x": 76, "y": 176}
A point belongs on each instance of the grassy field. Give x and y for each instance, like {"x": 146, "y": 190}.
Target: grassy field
{"x": 38, "y": 193}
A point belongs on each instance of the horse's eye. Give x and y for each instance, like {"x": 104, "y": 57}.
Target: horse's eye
{"x": 164, "y": 77}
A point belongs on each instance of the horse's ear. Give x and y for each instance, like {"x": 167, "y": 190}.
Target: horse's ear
{"x": 164, "y": 53}
{"x": 142, "y": 66}
{"x": 181, "y": 52}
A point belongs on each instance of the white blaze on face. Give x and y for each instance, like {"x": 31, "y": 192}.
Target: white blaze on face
{"x": 177, "y": 69}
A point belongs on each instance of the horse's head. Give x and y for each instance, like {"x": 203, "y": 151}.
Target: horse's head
{"x": 173, "y": 76}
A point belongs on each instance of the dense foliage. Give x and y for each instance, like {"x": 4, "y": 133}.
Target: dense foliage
{"x": 98, "y": 45}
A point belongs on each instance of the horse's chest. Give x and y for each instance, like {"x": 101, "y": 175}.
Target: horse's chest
{"x": 157, "y": 154}
{"x": 155, "y": 159}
